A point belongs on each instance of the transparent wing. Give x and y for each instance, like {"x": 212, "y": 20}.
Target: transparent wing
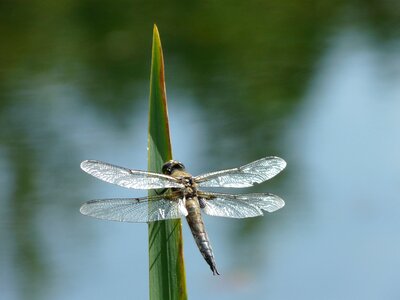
{"x": 140, "y": 210}
{"x": 245, "y": 176}
{"x": 240, "y": 206}
{"x": 128, "y": 178}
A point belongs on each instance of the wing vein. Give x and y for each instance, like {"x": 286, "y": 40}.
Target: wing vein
{"x": 245, "y": 176}
{"x": 128, "y": 178}
{"x": 240, "y": 206}
{"x": 147, "y": 209}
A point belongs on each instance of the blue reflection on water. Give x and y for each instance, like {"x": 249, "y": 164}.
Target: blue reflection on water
{"x": 342, "y": 243}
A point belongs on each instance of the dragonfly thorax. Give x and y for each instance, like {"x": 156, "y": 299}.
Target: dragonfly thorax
{"x": 190, "y": 187}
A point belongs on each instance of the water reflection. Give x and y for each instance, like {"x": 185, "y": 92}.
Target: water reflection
{"x": 344, "y": 136}
{"x": 73, "y": 85}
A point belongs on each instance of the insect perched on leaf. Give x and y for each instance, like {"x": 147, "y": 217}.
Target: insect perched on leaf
{"x": 181, "y": 196}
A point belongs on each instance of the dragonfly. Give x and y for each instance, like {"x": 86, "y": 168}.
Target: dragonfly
{"x": 182, "y": 196}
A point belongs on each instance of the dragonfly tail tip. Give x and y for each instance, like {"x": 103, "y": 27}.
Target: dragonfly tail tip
{"x": 215, "y": 271}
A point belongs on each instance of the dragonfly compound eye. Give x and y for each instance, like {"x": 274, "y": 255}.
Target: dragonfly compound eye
{"x": 172, "y": 165}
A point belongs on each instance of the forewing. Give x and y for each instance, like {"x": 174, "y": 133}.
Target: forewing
{"x": 248, "y": 175}
{"x": 240, "y": 206}
{"x": 128, "y": 178}
{"x": 137, "y": 210}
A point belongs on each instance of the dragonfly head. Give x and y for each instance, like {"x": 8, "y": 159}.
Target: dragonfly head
{"x": 171, "y": 166}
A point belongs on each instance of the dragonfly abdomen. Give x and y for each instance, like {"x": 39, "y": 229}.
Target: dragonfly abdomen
{"x": 199, "y": 233}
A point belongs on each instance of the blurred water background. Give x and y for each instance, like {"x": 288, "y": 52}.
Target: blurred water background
{"x": 314, "y": 82}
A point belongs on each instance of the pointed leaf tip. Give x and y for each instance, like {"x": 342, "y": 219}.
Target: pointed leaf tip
{"x": 155, "y": 31}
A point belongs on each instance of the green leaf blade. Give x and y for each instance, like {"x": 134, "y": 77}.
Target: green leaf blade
{"x": 166, "y": 263}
